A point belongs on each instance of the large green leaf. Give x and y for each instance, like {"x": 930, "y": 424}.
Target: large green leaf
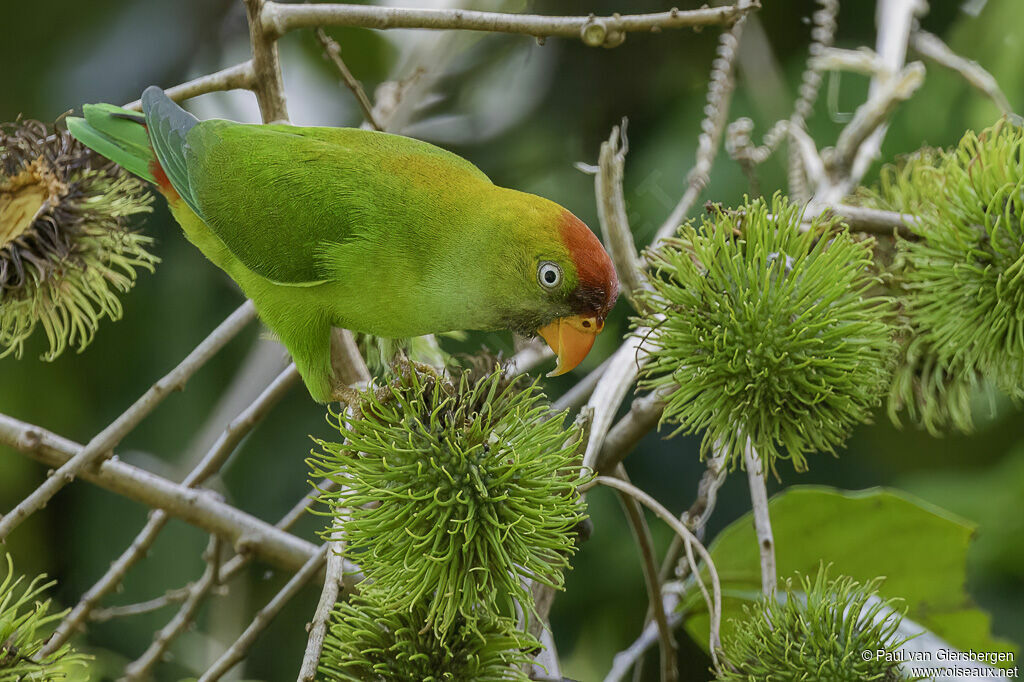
{"x": 920, "y": 549}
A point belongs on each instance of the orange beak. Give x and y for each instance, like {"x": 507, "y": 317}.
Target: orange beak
{"x": 571, "y": 338}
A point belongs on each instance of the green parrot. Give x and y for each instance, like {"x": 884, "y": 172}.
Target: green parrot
{"x": 372, "y": 232}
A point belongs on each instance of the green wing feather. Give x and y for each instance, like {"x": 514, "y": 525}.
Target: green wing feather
{"x": 168, "y": 126}
{"x": 284, "y": 199}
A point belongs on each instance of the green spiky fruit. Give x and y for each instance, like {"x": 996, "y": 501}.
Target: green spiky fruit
{"x": 764, "y": 332}
{"x": 453, "y": 494}
{"x": 368, "y": 641}
{"x": 25, "y": 621}
{"x": 816, "y": 629}
{"x": 962, "y": 275}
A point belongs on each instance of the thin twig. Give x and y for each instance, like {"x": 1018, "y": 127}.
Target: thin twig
{"x": 543, "y": 597}
{"x": 611, "y": 389}
{"x": 333, "y": 51}
{"x": 353, "y": 575}
{"x": 237, "y": 77}
{"x": 546, "y": 667}
{"x": 594, "y": 31}
{"x": 863, "y": 60}
{"x": 714, "y": 601}
{"x": 237, "y": 651}
{"x": 822, "y": 36}
{"x": 175, "y": 596}
{"x": 649, "y": 565}
{"x": 202, "y": 509}
{"x": 870, "y": 220}
{"x": 581, "y": 390}
{"x": 629, "y": 657}
{"x": 141, "y": 667}
{"x": 529, "y": 358}
{"x": 738, "y": 134}
{"x": 242, "y": 425}
{"x": 643, "y": 416}
{"x": 812, "y": 168}
{"x": 697, "y": 516}
{"x": 720, "y": 89}
{"x": 762, "y": 519}
{"x": 870, "y": 117}
{"x": 894, "y": 19}
{"x": 333, "y": 583}
{"x": 611, "y": 211}
{"x": 930, "y": 46}
{"x": 107, "y": 439}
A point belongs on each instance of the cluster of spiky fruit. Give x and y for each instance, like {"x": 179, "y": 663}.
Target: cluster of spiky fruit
{"x": 454, "y": 497}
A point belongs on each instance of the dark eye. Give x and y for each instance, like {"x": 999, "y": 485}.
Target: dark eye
{"x": 549, "y": 274}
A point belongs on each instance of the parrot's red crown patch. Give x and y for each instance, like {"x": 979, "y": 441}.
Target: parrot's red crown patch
{"x": 598, "y": 284}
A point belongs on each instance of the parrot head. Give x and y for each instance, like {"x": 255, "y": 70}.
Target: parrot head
{"x": 589, "y": 300}
{"x": 570, "y": 287}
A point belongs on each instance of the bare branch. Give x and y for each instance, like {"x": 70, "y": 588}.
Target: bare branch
{"x": 581, "y": 390}
{"x": 714, "y": 602}
{"x": 199, "y": 508}
{"x": 611, "y": 389}
{"x": 210, "y": 464}
{"x": 175, "y": 596}
{"x": 857, "y": 218}
{"x": 643, "y": 416}
{"x": 611, "y": 210}
{"x": 140, "y": 668}
{"x": 333, "y": 51}
{"x": 626, "y": 659}
{"x": 266, "y": 65}
{"x": 237, "y": 77}
{"x": 863, "y": 60}
{"x": 543, "y": 598}
{"x": 738, "y": 134}
{"x": 105, "y": 441}
{"x": 333, "y": 583}
{"x": 894, "y": 19}
{"x": 811, "y": 166}
{"x": 720, "y": 89}
{"x": 237, "y": 651}
{"x": 762, "y": 520}
{"x": 528, "y": 358}
{"x": 871, "y": 117}
{"x": 547, "y": 668}
{"x": 931, "y": 46}
{"x": 871, "y": 220}
{"x": 649, "y": 564}
{"x": 594, "y": 31}
{"x": 822, "y": 36}
{"x": 697, "y": 516}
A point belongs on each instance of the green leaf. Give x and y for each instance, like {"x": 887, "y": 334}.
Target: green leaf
{"x": 918, "y": 548}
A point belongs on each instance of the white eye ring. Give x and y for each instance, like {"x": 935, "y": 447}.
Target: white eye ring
{"x": 549, "y": 274}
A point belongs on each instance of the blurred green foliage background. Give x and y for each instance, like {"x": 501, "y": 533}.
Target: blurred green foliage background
{"x": 525, "y": 114}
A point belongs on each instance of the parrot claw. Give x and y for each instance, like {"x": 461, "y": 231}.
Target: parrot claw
{"x": 406, "y": 366}
{"x": 347, "y": 396}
